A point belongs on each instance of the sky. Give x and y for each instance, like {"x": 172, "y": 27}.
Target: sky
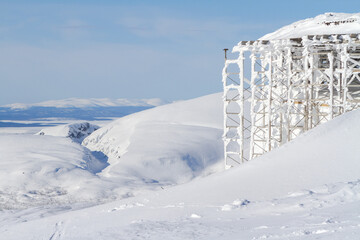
{"x": 131, "y": 49}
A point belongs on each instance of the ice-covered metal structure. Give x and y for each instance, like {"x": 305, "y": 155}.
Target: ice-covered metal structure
{"x": 277, "y": 89}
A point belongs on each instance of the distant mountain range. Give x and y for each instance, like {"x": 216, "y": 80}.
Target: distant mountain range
{"x": 74, "y": 108}
{"x": 89, "y": 103}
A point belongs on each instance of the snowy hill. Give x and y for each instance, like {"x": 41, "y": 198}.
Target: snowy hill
{"x": 165, "y": 145}
{"x": 169, "y": 144}
{"x": 328, "y": 23}
{"x": 309, "y": 188}
{"x": 75, "y": 131}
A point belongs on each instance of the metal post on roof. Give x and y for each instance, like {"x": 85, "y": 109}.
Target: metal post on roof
{"x": 225, "y": 50}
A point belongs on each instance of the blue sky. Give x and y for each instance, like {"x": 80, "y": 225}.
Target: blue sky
{"x": 131, "y": 49}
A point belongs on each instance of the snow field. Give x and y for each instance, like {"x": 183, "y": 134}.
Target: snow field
{"x": 309, "y": 188}
{"x": 51, "y": 168}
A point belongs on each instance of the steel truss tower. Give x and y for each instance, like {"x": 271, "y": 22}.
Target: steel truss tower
{"x": 295, "y": 85}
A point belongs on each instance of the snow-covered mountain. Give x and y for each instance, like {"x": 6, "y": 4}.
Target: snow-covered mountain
{"x": 328, "y": 23}
{"x": 75, "y": 131}
{"x": 75, "y": 109}
{"x": 90, "y": 102}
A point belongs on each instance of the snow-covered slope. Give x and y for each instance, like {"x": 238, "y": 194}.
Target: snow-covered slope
{"x": 91, "y": 102}
{"x": 328, "y": 23}
{"x": 169, "y": 144}
{"x": 326, "y": 154}
{"x": 75, "y": 131}
{"x": 165, "y": 145}
{"x": 42, "y": 170}
{"x": 309, "y": 188}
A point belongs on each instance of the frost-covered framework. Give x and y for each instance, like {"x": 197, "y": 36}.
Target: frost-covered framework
{"x": 295, "y": 85}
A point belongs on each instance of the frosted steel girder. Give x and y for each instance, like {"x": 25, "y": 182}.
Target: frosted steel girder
{"x": 295, "y": 85}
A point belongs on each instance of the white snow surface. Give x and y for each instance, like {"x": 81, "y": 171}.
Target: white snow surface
{"x": 42, "y": 170}
{"x": 307, "y": 189}
{"x": 328, "y": 23}
{"x": 75, "y": 131}
{"x": 53, "y": 168}
{"x": 91, "y": 102}
{"x": 170, "y": 144}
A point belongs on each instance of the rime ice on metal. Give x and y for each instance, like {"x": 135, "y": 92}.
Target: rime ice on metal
{"x": 295, "y": 85}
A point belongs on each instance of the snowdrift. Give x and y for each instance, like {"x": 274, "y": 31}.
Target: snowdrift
{"x": 168, "y": 144}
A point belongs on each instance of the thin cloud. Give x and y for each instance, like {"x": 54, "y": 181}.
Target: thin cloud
{"x": 74, "y": 29}
{"x": 184, "y": 28}
{"x": 75, "y": 24}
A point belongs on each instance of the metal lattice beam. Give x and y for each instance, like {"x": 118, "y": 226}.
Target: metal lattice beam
{"x": 295, "y": 85}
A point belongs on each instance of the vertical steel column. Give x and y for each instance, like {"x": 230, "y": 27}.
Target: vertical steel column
{"x": 226, "y": 103}
{"x": 288, "y": 100}
{"x": 331, "y": 84}
{"x": 233, "y": 112}
{"x": 241, "y": 128}
{"x": 252, "y": 108}
{"x": 268, "y": 74}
